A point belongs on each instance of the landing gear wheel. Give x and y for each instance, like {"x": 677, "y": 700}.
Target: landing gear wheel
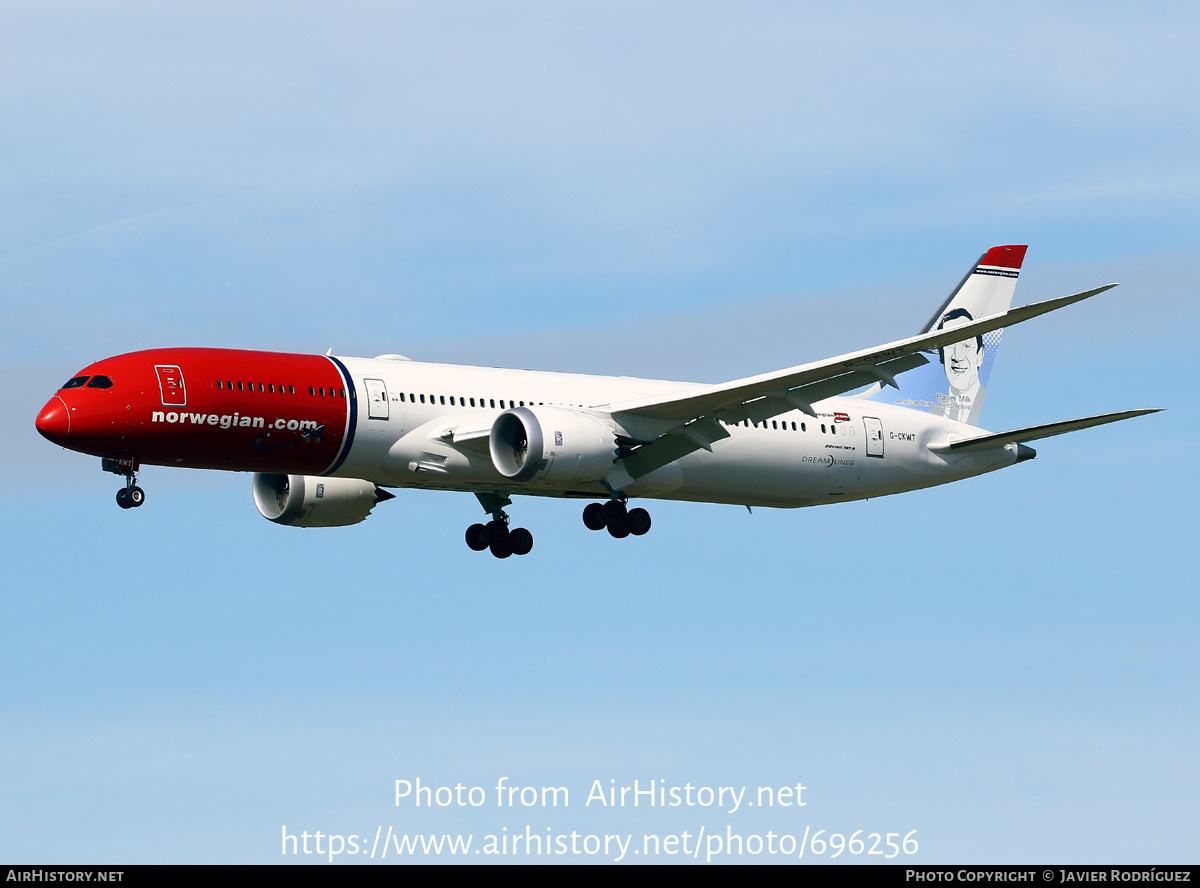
{"x": 123, "y": 498}
{"x": 619, "y": 528}
{"x": 520, "y": 541}
{"x": 501, "y": 548}
{"x": 135, "y": 496}
{"x": 497, "y": 532}
{"x": 611, "y": 511}
{"x": 639, "y": 521}
{"x": 477, "y": 537}
{"x": 593, "y": 516}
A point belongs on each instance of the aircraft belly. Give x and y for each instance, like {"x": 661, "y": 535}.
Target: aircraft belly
{"x": 751, "y": 472}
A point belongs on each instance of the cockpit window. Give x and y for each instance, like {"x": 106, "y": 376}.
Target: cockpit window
{"x": 100, "y": 382}
{"x": 76, "y": 382}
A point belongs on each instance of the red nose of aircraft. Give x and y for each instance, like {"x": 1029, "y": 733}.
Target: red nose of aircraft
{"x": 54, "y": 422}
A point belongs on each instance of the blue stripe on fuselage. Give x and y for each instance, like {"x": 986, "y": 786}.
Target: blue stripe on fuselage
{"x": 353, "y": 399}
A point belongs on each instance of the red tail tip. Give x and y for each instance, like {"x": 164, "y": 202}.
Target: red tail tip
{"x": 1005, "y": 257}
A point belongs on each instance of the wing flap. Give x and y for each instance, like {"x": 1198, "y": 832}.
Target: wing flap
{"x": 803, "y": 397}
{"x": 677, "y": 443}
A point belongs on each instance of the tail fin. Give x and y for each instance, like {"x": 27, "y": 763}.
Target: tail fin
{"x": 954, "y": 385}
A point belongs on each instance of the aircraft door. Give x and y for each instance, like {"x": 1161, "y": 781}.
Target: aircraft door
{"x": 170, "y": 385}
{"x": 874, "y": 429}
{"x": 377, "y": 399}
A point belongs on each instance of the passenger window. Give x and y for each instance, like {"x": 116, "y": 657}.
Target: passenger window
{"x": 422, "y": 399}
{"x": 75, "y": 383}
{"x": 472, "y": 402}
{"x": 341, "y": 393}
{"x": 442, "y": 398}
{"x": 100, "y": 382}
{"x": 402, "y": 397}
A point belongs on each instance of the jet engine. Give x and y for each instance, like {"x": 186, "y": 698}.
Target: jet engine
{"x": 551, "y": 445}
{"x": 307, "y": 501}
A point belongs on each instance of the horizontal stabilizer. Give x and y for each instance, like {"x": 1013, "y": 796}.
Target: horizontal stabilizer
{"x": 1033, "y": 433}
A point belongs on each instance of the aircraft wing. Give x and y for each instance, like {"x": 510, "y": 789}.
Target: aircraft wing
{"x": 701, "y": 410}
{"x": 864, "y": 367}
{"x": 1033, "y": 433}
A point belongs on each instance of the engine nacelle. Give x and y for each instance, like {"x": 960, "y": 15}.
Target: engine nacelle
{"x": 551, "y": 445}
{"x": 307, "y": 501}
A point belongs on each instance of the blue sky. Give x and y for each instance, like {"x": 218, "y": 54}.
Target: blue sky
{"x": 679, "y": 190}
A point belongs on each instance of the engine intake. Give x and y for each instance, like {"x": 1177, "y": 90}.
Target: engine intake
{"x": 307, "y": 501}
{"x": 551, "y": 445}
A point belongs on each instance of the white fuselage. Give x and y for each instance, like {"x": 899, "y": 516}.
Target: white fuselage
{"x": 852, "y": 449}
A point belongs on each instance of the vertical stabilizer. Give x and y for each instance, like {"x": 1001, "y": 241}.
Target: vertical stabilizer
{"x": 954, "y": 384}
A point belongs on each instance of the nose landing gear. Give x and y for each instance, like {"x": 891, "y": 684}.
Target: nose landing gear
{"x": 130, "y": 496}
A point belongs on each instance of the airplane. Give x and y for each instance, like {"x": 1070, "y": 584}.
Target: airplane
{"x": 329, "y": 437}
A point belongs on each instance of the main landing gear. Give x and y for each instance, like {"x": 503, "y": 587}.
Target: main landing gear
{"x": 503, "y": 541}
{"x": 496, "y": 535}
{"x": 620, "y": 520}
